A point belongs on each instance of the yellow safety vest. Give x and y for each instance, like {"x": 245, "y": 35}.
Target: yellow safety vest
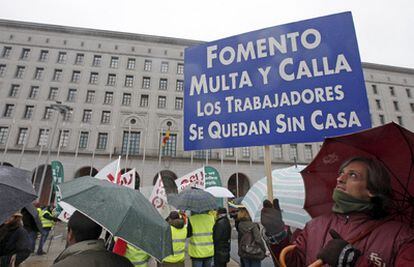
{"x": 46, "y": 223}
{"x": 178, "y": 239}
{"x": 137, "y": 256}
{"x": 201, "y": 242}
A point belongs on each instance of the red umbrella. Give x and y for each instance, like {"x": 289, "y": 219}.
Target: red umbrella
{"x": 391, "y": 144}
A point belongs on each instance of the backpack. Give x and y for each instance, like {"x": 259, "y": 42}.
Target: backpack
{"x": 250, "y": 248}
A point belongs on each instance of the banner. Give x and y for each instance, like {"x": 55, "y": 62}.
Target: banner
{"x": 128, "y": 179}
{"x": 57, "y": 172}
{"x": 212, "y": 178}
{"x": 110, "y": 172}
{"x": 194, "y": 179}
{"x": 158, "y": 197}
{"x": 294, "y": 83}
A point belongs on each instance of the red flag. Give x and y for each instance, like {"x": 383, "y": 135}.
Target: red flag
{"x": 166, "y": 137}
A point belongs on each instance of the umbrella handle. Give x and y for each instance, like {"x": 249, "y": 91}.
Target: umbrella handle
{"x": 290, "y": 248}
{"x": 283, "y": 253}
{"x": 316, "y": 263}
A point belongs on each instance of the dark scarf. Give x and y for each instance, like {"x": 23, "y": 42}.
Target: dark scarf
{"x": 345, "y": 203}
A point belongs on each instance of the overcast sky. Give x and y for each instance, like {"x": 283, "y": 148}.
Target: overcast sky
{"x": 385, "y": 28}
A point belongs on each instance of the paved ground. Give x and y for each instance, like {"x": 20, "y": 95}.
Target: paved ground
{"x": 57, "y": 241}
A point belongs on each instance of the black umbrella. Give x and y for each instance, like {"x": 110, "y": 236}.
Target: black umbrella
{"x": 16, "y": 191}
{"x": 194, "y": 199}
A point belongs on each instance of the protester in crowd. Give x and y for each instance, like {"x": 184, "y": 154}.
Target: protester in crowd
{"x": 201, "y": 246}
{"x": 358, "y": 231}
{"x": 137, "y": 256}
{"x": 84, "y": 249}
{"x": 32, "y": 225}
{"x": 221, "y": 238}
{"x": 14, "y": 241}
{"x": 179, "y": 234}
{"x": 251, "y": 247}
{"x": 48, "y": 221}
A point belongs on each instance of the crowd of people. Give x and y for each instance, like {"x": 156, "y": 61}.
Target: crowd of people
{"x": 359, "y": 231}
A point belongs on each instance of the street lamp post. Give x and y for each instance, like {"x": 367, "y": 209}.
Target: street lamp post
{"x": 62, "y": 109}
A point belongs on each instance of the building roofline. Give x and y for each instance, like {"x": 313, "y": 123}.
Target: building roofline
{"x": 387, "y": 68}
{"x": 97, "y": 33}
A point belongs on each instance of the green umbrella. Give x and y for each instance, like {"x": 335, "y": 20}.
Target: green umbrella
{"x": 122, "y": 211}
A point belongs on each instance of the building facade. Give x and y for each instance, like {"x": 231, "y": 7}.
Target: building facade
{"x": 85, "y": 97}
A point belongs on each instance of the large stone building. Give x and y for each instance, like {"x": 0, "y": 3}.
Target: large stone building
{"x": 100, "y": 94}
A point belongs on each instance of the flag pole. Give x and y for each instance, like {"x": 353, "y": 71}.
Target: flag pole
{"x": 24, "y": 147}
{"x": 127, "y": 148}
{"x": 7, "y": 142}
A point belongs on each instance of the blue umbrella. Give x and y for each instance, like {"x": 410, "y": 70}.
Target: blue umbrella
{"x": 288, "y": 188}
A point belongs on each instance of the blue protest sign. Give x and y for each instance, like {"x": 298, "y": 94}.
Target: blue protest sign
{"x": 293, "y": 83}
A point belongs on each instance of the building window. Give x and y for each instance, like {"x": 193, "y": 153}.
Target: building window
{"x": 374, "y": 89}
{"x": 22, "y": 138}
{"x": 293, "y": 152}
{"x": 6, "y": 52}
{"x": 408, "y": 91}
{"x": 93, "y": 79}
{"x": 392, "y": 92}
{"x": 87, "y": 115}
{"x": 378, "y": 103}
{"x": 71, "y": 95}
{"x": 38, "y": 74}
{"x": 80, "y": 58}
{"x": 76, "y": 76}
{"x": 48, "y": 113}
{"x": 131, "y": 63}
{"x": 129, "y": 81}
{"x": 67, "y": 115}
{"x": 229, "y": 152}
{"x": 109, "y": 97}
{"x": 134, "y": 140}
{"x": 163, "y": 84}
{"x": 63, "y": 138}
{"x": 43, "y": 55}
{"x": 28, "y": 112}
{"x": 8, "y": 110}
{"x": 400, "y": 120}
{"x": 126, "y": 99}
{"x": 278, "y": 151}
{"x": 19, "y": 72}
{"x": 179, "y": 103}
{"x": 25, "y": 54}
{"x": 14, "y": 90}
{"x": 111, "y": 79}
{"x": 62, "y": 57}
{"x": 57, "y": 75}
{"x": 106, "y": 117}
{"x": 412, "y": 107}
{"x": 144, "y": 101}
{"x": 53, "y": 93}
{"x": 164, "y": 67}
{"x": 34, "y": 92}
{"x": 170, "y": 148}
{"x": 4, "y": 133}
{"x": 2, "y": 70}
{"x": 43, "y": 137}
{"x": 162, "y": 101}
{"x": 146, "y": 82}
{"x": 114, "y": 62}
{"x": 202, "y": 154}
{"x": 102, "y": 141}
{"x": 180, "y": 68}
{"x": 83, "y": 140}
{"x": 97, "y": 61}
{"x": 382, "y": 119}
{"x": 179, "y": 86}
{"x": 308, "y": 152}
{"x": 396, "y": 106}
{"x": 245, "y": 152}
{"x": 147, "y": 65}
{"x": 90, "y": 96}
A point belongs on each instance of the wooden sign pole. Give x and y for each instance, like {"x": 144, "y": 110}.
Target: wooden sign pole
{"x": 268, "y": 172}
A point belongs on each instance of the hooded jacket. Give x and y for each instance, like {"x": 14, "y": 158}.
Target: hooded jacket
{"x": 90, "y": 253}
{"x": 390, "y": 243}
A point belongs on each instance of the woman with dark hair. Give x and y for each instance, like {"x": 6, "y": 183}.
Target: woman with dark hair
{"x": 14, "y": 241}
{"x": 358, "y": 232}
